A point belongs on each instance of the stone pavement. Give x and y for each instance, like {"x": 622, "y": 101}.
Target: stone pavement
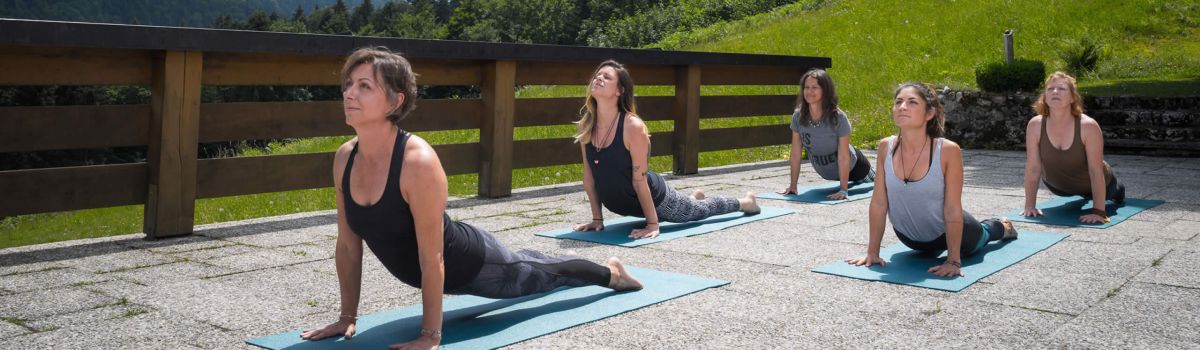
{"x": 1134, "y": 285}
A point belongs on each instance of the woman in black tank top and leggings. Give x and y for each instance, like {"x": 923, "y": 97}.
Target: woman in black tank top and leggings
{"x": 615, "y": 146}
{"x": 391, "y": 194}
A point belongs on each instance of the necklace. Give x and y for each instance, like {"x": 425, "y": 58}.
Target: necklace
{"x": 612, "y": 133}
{"x": 908, "y": 174}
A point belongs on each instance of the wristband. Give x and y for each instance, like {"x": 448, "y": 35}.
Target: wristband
{"x": 597, "y": 219}
{"x": 844, "y": 193}
{"x": 1100, "y": 213}
{"x": 651, "y": 223}
{"x": 432, "y": 333}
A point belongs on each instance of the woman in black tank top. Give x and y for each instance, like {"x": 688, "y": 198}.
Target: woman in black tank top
{"x": 391, "y": 194}
{"x": 615, "y": 146}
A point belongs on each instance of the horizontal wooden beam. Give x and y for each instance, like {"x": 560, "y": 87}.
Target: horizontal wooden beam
{"x": 563, "y": 151}
{"x": 71, "y": 188}
{"x": 752, "y": 75}
{"x": 73, "y": 127}
{"x": 295, "y": 69}
{"x": 563, "y": 73}
{"x": 565, "y": 110}
{"x": 746, "y": 137}
{"x": 277, "y": 120}
{"x": 22, "y": 65}
{"x": 223, "y": 177}
{"x": 746, "y": 106}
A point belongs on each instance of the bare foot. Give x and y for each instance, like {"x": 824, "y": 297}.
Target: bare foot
{"x": 698, "y": 194}
{"x": 1010, "y": 232}
{"x": 621, "y": 280}
{"x": 750, "y": 204}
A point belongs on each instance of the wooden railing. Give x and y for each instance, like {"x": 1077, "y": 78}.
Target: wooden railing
{"x": 176, "y": 62}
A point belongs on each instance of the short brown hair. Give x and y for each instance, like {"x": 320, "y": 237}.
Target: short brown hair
{"x": 1076, "y": 106}
{"x": 393, "y": 72}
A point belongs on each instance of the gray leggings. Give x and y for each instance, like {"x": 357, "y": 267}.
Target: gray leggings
{"x": 679, "y": 207}
{"x": 506, "y": 274}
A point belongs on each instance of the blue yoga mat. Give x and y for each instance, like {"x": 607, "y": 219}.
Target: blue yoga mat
{"x": 817, "y": 193}
{"x": 616, "y": 232}
{"x": 906, "y": 266}
{"x": 471, "y": 322}
{"x": 1065, "y": 211}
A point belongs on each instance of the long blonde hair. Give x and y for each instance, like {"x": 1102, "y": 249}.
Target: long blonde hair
{"x": 625, "y": 102}
{"x": 1076, "y": 106}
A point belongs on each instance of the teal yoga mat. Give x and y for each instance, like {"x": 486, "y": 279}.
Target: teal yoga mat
{"x": 906, "y": 266}
{"x": 616, "y": 232}
{"x": 817, "y": 193}
{"x": 471, "y": 322}
{"x": 1065, "y": 211}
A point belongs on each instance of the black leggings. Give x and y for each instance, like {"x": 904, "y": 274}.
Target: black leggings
{"x": 973, "y": 232}
{"x": 1113, "y": 191}
{"x": 860, "y": 169}
{"x": 506, "y": 274}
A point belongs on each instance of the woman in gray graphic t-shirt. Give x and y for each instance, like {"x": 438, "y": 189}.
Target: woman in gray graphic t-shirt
{"x": 824, "y": 132}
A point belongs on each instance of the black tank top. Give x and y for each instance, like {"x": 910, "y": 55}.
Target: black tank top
{"x": 388, "y": 229}
{"x": 612, "y": 174}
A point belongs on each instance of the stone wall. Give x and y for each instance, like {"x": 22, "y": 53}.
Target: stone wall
{"x": 1141, "y": 125}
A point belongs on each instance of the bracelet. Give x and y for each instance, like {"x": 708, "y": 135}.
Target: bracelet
{"x": 957, "y": 264}
{"x": 651, "y": 223}
{"x": 1100, "y": 213}
{"x": 844, "y": 193}
{"x": 351, "y": 318}
{"x": 597, "y": 219}
{"x": 432, "y": 333}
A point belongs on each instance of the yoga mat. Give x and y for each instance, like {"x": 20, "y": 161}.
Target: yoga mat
{"x": 1065, "y": 211}
{"x": 471, "y": 322}
{"x": 616, "y": 232}
{"x": 817, "y": 193}
{"x": 906, "y": 266}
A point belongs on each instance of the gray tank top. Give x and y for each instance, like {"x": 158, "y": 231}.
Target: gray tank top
{"x": 917, "y": 208}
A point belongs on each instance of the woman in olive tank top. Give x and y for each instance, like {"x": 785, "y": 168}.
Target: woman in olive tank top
{"x": 391, "y": 194}
{"x": 919, "y": 188}
{"x": 1065, "y": 149}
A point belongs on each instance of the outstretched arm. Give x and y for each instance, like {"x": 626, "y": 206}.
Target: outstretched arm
{"x": 423, "y": 184}
{"x": 347, "y": 259}
{"x": 1033, "y": 165}
{"x": 637, "y": 141}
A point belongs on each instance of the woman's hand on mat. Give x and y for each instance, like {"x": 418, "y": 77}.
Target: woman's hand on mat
{"x": 1091, "y": 219}
{"x": 836, "y": 195}
{"x": 425, "y": 342}
{"x": 343, "y": 328}
{"x": 1031, "y": 212}
{"x": 789, "y": 190}
{"x": 591, "y": 226}
{"x": 867, "y": 261}
{"x": 946, "y": 270}
{"x": 650, "y": 231}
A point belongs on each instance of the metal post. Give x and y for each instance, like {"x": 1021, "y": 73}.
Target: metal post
{"x": 1008, "y": 46}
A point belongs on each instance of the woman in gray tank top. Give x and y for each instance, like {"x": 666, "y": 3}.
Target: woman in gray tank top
{"x": 920, "y": 188}
{"x": 823, "y": 130}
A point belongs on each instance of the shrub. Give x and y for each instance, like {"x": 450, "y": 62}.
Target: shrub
{"x": 1021, "y": 75}
{"x": 1083, "y": 56}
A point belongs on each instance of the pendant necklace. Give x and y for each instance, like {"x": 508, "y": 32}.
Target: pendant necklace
{"x": 611, "y": 135}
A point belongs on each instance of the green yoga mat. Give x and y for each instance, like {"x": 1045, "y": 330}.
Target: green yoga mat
{"x": 616, "y": 232}
{"x": 1065, "y": 211}
{"x": 817, "y": 193}
{"x": 910, "y": 267}
{"x": 471, "y": 322}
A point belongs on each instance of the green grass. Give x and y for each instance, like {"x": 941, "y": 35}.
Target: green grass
{"x": 1150, "y": 49}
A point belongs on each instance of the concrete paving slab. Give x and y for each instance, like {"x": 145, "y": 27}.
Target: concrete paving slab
{"x": 37, "y": 280}
{"x": 1158, "y": 311}
{"x": 1177, "y": 268}
{"x": 959, "y": 323}
{"x": 46, "y": 302}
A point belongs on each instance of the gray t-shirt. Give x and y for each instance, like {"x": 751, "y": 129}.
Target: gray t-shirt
{"x": 821, "y": 141}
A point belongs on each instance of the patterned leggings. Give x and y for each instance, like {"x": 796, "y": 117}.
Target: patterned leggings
{"x": 506, "y": 274}
{"x": 679, "y": 207}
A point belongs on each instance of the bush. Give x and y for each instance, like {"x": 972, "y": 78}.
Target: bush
{"x": 1021, "y": 75}
{"x": 1083, "y": 56}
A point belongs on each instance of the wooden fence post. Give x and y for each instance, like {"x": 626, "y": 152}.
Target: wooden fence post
{"x": 496, "y": 131}
{"x": 174, "y": 133}
{"x": 687, "y": 120}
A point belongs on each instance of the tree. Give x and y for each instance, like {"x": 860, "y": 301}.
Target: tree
{"x": 362, "y": 15}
